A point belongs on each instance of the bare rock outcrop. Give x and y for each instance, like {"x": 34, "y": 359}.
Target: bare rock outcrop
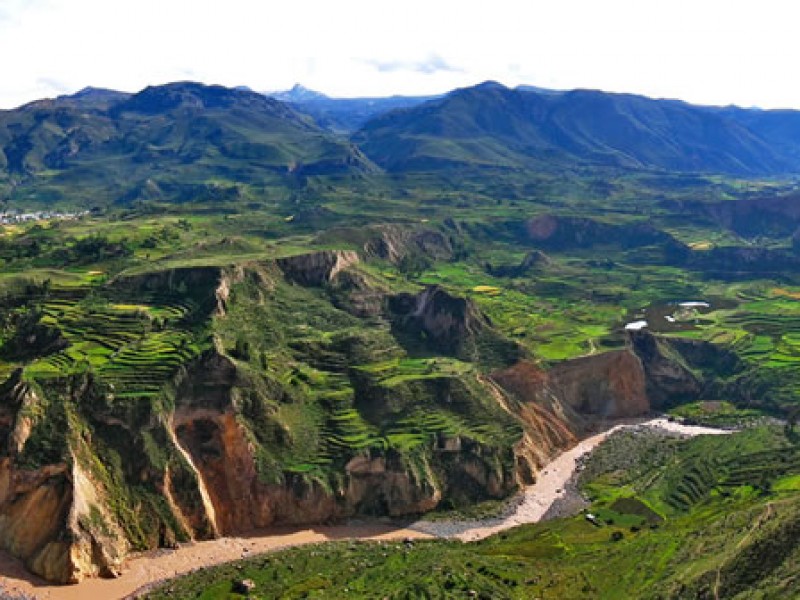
{"x": 447, "y": 321}
{"x": 453, "y": 325}
{"x": 184, "y": 280}
{"x": 54, "y": 516}
{"x": 317, "y": 268}
{"x": 393, "y": 243}
{"x": 549, "y": 426}
{"x": 609, "y": 385}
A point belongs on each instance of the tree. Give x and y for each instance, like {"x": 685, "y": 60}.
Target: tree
{"x": 414, "y": 264}
{"x": 791, "y": 423}
{"x": 242, "y": 349}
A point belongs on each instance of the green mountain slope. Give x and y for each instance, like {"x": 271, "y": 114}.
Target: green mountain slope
{"x": 190, "y": 142}
{"x": 490, "y": 125}
{"x": 174, "y": 142}
{"x": 270, "y": 330}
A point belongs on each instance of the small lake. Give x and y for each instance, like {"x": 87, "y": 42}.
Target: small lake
{"x": 668, "y": 316}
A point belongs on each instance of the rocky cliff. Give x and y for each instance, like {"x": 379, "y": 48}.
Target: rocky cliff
{"x": 564, "y": 402}
{"x": 52, "y": 515}
{"x": 394, "y": 243}
{"x": 651, "y": 373}
{"x": 294, "y": 391}
{"x": 281, "y": 414}
{"x": 610, "y": 385}
{"x": 449, "y": 324}
{"x": 317, "y": 268}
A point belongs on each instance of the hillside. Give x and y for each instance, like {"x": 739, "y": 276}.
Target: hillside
{"x": 195, "y": 402}
{"x": 491, "y": 125}
{"x": 175, "y": 142}
{"x": 188, "y": 142}
{"x": 186, "y": 375}
{"x": 258, "y": 326}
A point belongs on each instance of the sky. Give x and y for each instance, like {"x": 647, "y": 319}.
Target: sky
{"x": 703, "y": 51}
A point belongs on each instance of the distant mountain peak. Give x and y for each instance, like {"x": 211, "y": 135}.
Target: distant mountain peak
{"x": 342, "y": 115}
{"x": 190, "y": 94}
{"x": 490, "y": 85}
{"x": 523, "y": 128}
{"x": 481, "y": 88}
{"x": 93, "y": 91}
{"x": 298, "y": 94}
{"x": 537, "y": 90}
{"x": 93, "y": 97}
{"x": 299, "y": 88}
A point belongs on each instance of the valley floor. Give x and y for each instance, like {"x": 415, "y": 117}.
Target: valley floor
{"x": 154, "y": 567}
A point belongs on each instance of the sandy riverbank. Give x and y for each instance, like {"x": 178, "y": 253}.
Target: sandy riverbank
{"x": 164, "y": 564}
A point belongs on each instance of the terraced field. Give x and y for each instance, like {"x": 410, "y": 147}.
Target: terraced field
{"x": 764, "y": 330}
{"x": 675, "y": 478}
{"x": 420, "y": 418}
{"x": 134, "y": 349}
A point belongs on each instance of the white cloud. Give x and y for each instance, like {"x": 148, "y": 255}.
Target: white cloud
{"x": 709, "y": 52}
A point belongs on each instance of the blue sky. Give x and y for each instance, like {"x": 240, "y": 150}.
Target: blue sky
{"x": 703, "y": 51}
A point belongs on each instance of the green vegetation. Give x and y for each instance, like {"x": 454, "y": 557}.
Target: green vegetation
{"x": 119, "y": 307}
{"x": 716, "y": 413}
{"x": 245, "y": 307}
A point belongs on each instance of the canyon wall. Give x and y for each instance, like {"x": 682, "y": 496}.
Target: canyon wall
{"x": 398, "y": 404}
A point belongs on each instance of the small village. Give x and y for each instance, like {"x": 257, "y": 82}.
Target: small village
{"x": 12, "y": 218}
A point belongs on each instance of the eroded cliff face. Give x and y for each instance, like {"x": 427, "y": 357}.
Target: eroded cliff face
{"x": 240, "y": 500}
{"x": 318, "y": 395}
{"x": 449, "y": 324}
{"x": 669, "y": 378}
{"x": 54, "y": 516}
{"x": 394, "y": 243}
{"x": 651, "y": 373}
{"x": 237, "y": 495}
{"x": 234, "y": 498}
{"x": 558, "y": 406}
{"x": 448, "y": 321}
{"x": 549, "y": 426}
{"x": 317, "y": 268}
{"x": 610, "y": 385}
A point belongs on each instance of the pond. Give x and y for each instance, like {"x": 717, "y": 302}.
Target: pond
{"x": 670, "y": 316}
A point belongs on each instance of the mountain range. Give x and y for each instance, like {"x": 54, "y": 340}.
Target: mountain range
{"x": 181, "y": 140}
{"x": 495, "y": 126}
